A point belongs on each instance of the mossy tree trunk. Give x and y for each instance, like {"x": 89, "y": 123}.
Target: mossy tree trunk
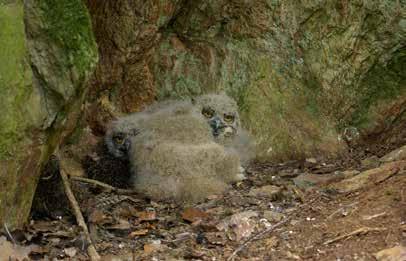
{"x": 47, "y": 52}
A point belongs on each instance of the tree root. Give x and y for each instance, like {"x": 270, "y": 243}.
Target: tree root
{"x": 104, "y": 185}
{"x": 91, "y": 250}
{"x": 360, "y": 231}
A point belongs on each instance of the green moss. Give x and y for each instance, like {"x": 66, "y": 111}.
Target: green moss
{"x": 382, "y": 83}
{"x": 69, "y": 26}
{"x": 189, "y": 79}
{"x": 15, "y": 77}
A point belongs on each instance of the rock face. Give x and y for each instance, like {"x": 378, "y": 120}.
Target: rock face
{"x": 47, "y": 51}
{"x": 302, "y": 71}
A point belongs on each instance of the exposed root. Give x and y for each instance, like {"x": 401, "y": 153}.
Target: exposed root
{"x": 91, "y": 250}
{"x": 360, "y": 231}
{"x": 105, "y": 186}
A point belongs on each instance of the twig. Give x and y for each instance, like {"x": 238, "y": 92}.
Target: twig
{"x": 104, "y": 185}
{"x": 403, "y": 227}
{"x": 256, "y": 236}
{"x": 360, "y": 231}
{"x": 374, "y": 216}
{"x": 268, "y": 230}
{"x": 91, "y": 250}
{"x": 9, "y": 234}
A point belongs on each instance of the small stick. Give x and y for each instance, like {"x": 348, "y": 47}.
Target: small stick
{"x": 256, "y": 236}
{"x": 91, "y": 250}
{"x": 266, "y": 231}
{"x": 360, "y": 231}
{"x": 104, "y": 185}
{"x": 9, "y": 234}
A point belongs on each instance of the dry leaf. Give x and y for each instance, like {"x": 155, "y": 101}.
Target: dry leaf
{"x": 70, "y": 251}
{"x": 9, "y": 251}
{"x": 216, "y": 238}
{"x": 141, "y": 232}
{"x": 193, "y": 214}
{"x": 152, "y": 247}
{"x": 148, "y": 215}
{"x": 121, "y": 225}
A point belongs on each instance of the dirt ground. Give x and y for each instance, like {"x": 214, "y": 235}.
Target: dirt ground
{"x": 269, "y": 216}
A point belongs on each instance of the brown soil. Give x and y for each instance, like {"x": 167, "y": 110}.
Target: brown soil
{"x": 143, "y": 230}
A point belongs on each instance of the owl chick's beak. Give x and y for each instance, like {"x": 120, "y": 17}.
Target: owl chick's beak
{"x": 216, "y": 125}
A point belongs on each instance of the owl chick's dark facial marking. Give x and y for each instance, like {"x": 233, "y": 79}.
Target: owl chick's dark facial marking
{"x": 121, "y": 145}
{"x": 118, "y": 138}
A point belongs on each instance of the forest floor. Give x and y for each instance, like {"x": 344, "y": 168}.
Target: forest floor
{"x": 313, "y": 209}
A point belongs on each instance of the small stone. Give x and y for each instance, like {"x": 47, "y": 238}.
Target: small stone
{"x": 273, "y": 216}
{"x": 294, "y": 222}
{"x": 306, "y": 181}
{"x": 396, "y": 253}
{"x": 369, "y": 177}
{"x": 148, "y": 215}
{"x": 350, "y": 173}
{"x": 122, "y": 224}
{"x": 193, "y": 214}
{"x": 241, "y": 224}
{"x": 398, "y": 154}
{"x": 370, "y": 163}
{"x": 269, "y": 191}
{"x": 140, "y": 232}
{"x": 288, "y": 173}
{"x": 272, "y": 242}
{"x": 152, "y": 247}
{"x": 216, "y": 238}
{"x": 70, "y": 251}
{"x": 311, "y": 160}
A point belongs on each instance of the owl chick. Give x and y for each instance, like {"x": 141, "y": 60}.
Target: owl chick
{"x": 120, "y": 131}
{"x": 172, "y": 153}
{"x": 221, "y": 113}
{"x": 219, "y": 110}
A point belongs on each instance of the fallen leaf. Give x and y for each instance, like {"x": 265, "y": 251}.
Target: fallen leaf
{"x": 272, "y": 242}
{"x": 240, "y": 223}
{"x": 98, "y": 217}
{"x": 403, "y": 227}
{"x": 193, "y": 214}
{"x": 370, "y": 177}
{"x": 152, "y": 247}
{"x": 141, "y": 232}
{"x": 397, "y": 253}
{"x": 216, "y": 238}
{"x": 70, "y": 251}
{"x": 121, "y": 225}
{"x": 8, "y": 251}
{"x": 149, "y": 215}
{"x": 398, "y": 154}
{"x": 268, "y": 191}
{"x": 44, "y": 226}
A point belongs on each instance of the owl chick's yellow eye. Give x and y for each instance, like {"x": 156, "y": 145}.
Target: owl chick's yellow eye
{"x": 118, "y": 140}
{"x": 207, "y": 112}
{"x": 228, "y": 118}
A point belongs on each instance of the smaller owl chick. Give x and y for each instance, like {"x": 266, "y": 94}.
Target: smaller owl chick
{"x": 118, "y": 136}
{"x": 120, "y": 131}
